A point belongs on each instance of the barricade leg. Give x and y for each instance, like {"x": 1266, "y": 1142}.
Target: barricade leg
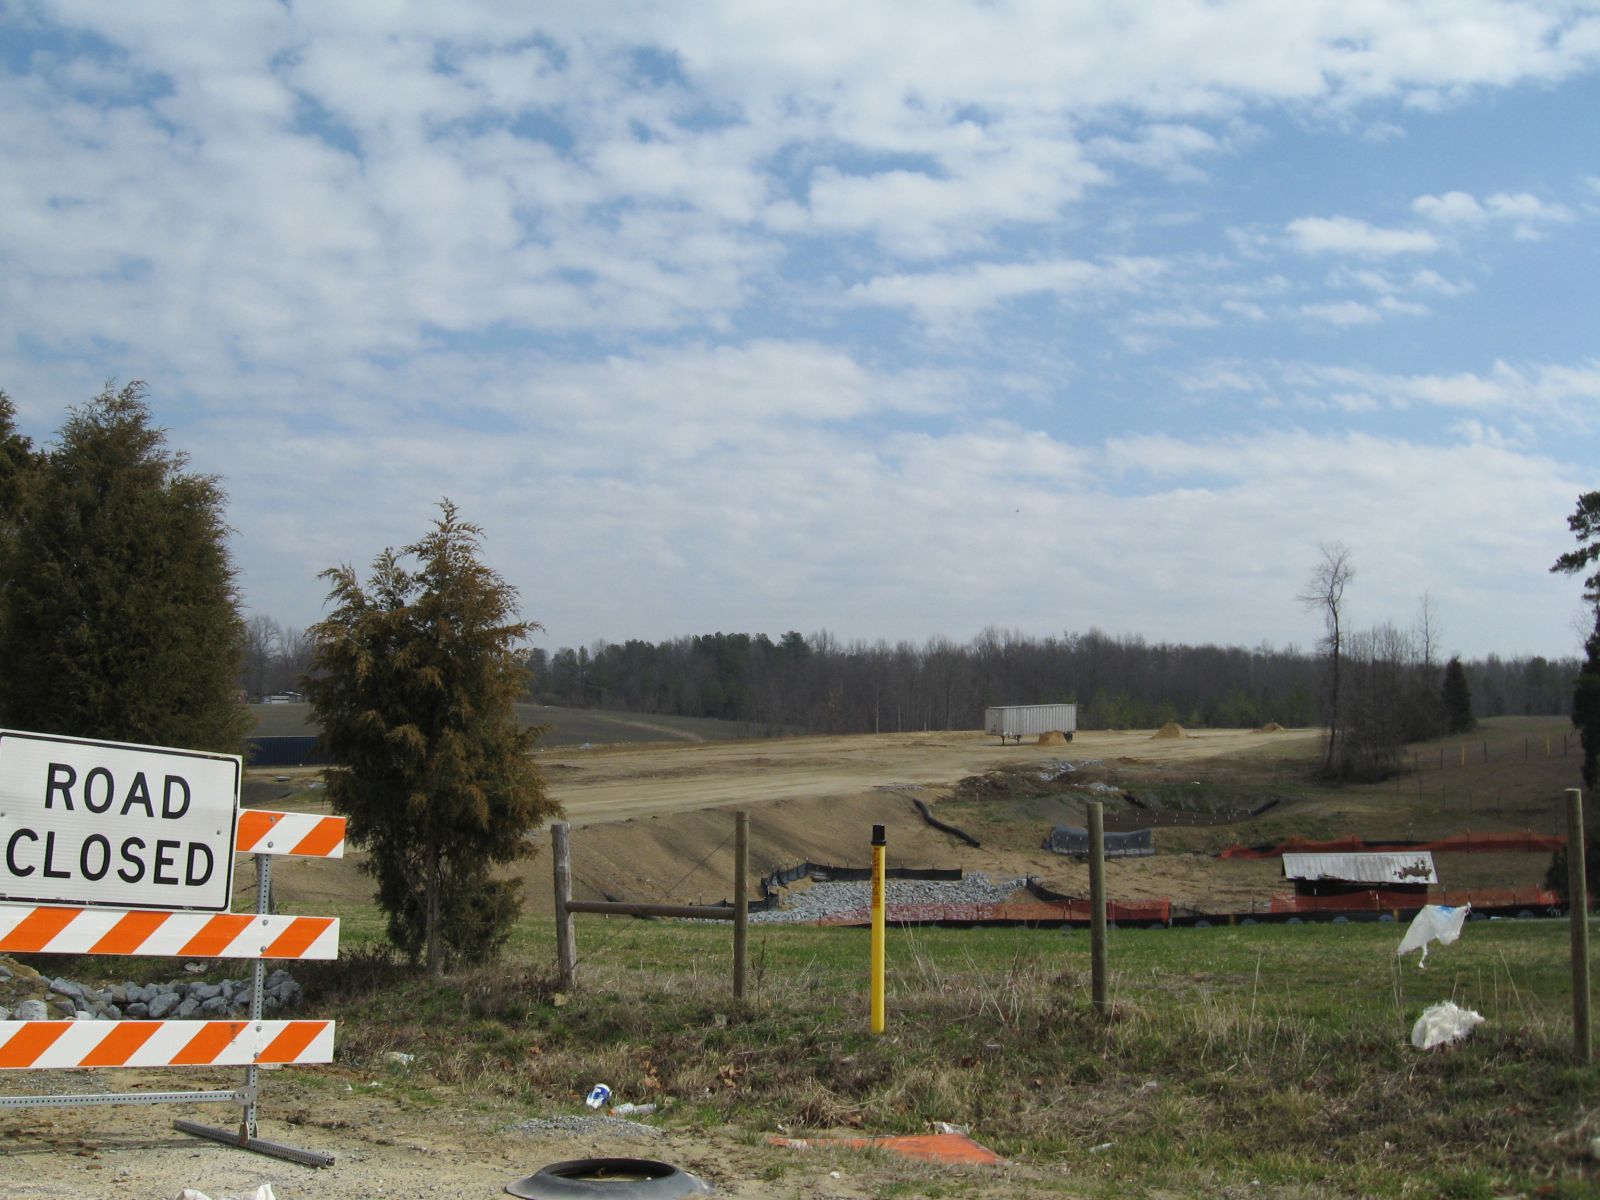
{"x": 246, "y": 1138}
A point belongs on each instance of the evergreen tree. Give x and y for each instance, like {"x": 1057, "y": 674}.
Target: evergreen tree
{"x": 16, "y": 457}
{"x": 1586, "y": 711}
{"x": 414, "y": 677}
{"x": 120, "y": 619}
{"x": 1457, "y": 697}
{"x": 16, "y": 460}
{"x": 1585, "y": 524}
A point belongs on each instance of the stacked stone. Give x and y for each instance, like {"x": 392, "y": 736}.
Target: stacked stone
{"x": 67, "y": 999}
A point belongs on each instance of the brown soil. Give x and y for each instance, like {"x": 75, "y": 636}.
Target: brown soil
{"x": 1170, "y": 730}
{"x": 655, "y": 822}
{"x": 456, "y": 1148}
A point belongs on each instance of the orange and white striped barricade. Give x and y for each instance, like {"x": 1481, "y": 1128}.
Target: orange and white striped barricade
{"x": 253, "y": 1043}
{"x": 108, "y": 848}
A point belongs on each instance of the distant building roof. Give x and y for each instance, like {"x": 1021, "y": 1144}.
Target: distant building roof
{"x": 1410, "y": 866}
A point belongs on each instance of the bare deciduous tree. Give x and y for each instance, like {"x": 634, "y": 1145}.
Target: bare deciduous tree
{"x": 262, "y": 637}
{"x": 1324, "y": 593}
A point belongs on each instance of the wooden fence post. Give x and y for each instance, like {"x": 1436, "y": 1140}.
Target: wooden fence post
{"x": 566, "y": 938}
{"x": 1578, "y": 920}
{"x": 741, "y": 903}
{"x": 1097, "y": 907}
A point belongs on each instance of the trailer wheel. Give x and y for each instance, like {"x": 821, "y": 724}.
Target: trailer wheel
{"x": 1525, "y": 914}
{"x": 1248, "y": 921}
{"x": 1294, "y": 921}
{"x": 1202, "y": 923}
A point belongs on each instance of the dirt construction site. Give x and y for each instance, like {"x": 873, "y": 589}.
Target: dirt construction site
{"x": 654, "y": 822}
{"x": 645, "y": 820}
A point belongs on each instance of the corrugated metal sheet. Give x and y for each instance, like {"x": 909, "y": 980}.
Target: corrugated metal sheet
{"x": 1411, "y": 866}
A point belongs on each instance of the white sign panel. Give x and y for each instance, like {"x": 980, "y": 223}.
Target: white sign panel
{"x": 103, "y": 823}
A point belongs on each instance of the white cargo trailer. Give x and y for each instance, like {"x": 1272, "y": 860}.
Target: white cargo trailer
{"x": 1017, "y": 721}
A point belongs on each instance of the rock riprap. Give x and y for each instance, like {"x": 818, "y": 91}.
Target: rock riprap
{"x": 27, "y": 995}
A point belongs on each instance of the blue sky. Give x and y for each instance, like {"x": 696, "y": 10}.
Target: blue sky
{"x": 895, "y": 320}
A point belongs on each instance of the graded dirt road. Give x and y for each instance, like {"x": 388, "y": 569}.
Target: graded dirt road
{"x": 618, "y": 782}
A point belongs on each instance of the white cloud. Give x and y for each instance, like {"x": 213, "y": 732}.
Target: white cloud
{"x": 1170, "y": 148}
{"x": 614, "y": 286}
{"x": 1461, "y": 208}
{"x": 1450, "y": 208}
{"x": 1347, "y": 235}
{"x": 1345, "y": 313}
{"x": 930, "y": 214}
{"x": 1563, "y": 399}
{"x": 1342, "y": 313}
{"x": 1432, "y": 281}
{"x": 941, "y": 296}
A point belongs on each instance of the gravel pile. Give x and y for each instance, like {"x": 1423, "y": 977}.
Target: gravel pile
{"x": 831, "y": 899}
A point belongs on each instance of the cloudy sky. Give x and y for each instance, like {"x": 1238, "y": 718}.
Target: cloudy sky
{"x": 892, "y": 319}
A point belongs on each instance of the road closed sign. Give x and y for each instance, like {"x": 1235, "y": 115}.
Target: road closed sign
{"x": 103, "y": 823}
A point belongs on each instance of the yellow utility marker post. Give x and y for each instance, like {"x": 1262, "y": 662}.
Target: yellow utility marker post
{"x": 879, "y": 849}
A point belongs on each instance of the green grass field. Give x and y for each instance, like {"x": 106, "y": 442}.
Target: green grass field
{"x": 1263, "y": 1057}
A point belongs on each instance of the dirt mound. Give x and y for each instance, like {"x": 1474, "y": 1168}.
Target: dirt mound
{"x": 1271, "y": 727}
{"x": 1170, "y": 730}
{"x": 1052, "y": 737}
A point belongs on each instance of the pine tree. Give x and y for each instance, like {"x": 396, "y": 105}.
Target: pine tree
{"x": 414, "y": 680}
{"x": 1586, "y": 709}
{"x": 120, "y": 619}
{"x": 1457, "y": 697}
{"x": 1585, "y": 524}
{"x": 16, "y": 462}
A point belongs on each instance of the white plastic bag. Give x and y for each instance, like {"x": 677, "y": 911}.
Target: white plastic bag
{"x": 1435, "y": 923}
{"x": 1442, "y": 1024}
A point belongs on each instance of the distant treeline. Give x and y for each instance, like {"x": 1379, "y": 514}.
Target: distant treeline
{"x": 822, "y": 685}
